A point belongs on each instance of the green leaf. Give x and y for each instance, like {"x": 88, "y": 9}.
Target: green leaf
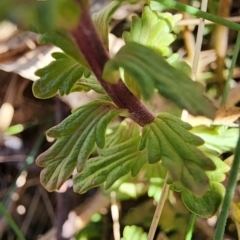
{"x": 101, "y": 21}
{"x": 222, "y": 168}
{"x": 174, "y": 60}
{"x": 66, "y": 43}
{"x": 218, "y": 138}
{"x": 126, "y": 130}
{"x": 115, "y": 162}
{"x": 86, "y": 84}
{"x": 151, "y": 70}
{"x": 76, "y": 138}
{"x": 133, "y": 233}
{"x": 156, "y": 174}
{"x": 117, "y": 159}
{"x": 167, "y": 139}
{"x": 62, "y": 75}
{"x": 153, "y": 30}
{"x": 207, "y": 205}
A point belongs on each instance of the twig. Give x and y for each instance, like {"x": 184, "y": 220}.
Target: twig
{"x": 47, "y": 203}
{"x": 31, "y": 210}
{"x": 83, "y": 214}
{"x": 115, "y": 216}
{"x": 159, "y": 209}
{"x": 198, "y": 41}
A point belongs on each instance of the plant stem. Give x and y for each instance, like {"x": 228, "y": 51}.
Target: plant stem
{"x": 11, "y": 222}
{"x": 159, "y": 209}
{"x": 198, "y": 13}
{"x": 232, "y": 180}
{"x": 91, "y": 47}
{"x": 191, "y": 227}
{"x": 233, "y": 63}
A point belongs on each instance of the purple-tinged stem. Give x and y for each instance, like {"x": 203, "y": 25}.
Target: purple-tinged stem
{"x": 91, "y": 47}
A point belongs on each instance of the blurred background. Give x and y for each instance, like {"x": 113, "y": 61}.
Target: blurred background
{"x": 24, "y": 119}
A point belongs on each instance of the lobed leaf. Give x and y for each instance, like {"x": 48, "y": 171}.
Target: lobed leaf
{"x": 76, "y": 138}
{"x": 167, "y": 139}
{"x": 207, "y": 205}
{"x": 153, "y": 29}
{"x": 64, "y": 75}
{"x": 150, "y": 70}
{"x": 116, "y": 160}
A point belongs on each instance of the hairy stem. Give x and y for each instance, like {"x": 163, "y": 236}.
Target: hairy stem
{"x": 91, "y": 47}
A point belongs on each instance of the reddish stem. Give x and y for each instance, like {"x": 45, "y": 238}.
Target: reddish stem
{"x": 91, "y": 47}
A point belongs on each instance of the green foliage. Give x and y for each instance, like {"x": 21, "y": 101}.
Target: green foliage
{"x": 167, "y": 139}
{"x": 207, "y": 205}
{"x": 76, "y": 137}
{"x": 153, "y": 29}
{"x": 119, "y": 157}
{"x": 156, "y": 174}
{"x": 217, "y": 138}
{"x": 62, "y": 40}
{"x": 133, "y": 233}
{"x": 101, "y": 21}
{"x": 151, "y": 71}
{"x": 127, "y": 187}
{"x": 62, "y": 75}
{"x": 92, "y": 231}
{"x": 146, "y": 65}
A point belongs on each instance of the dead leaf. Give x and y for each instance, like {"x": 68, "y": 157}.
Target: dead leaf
{"x": 227, "y": 116}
